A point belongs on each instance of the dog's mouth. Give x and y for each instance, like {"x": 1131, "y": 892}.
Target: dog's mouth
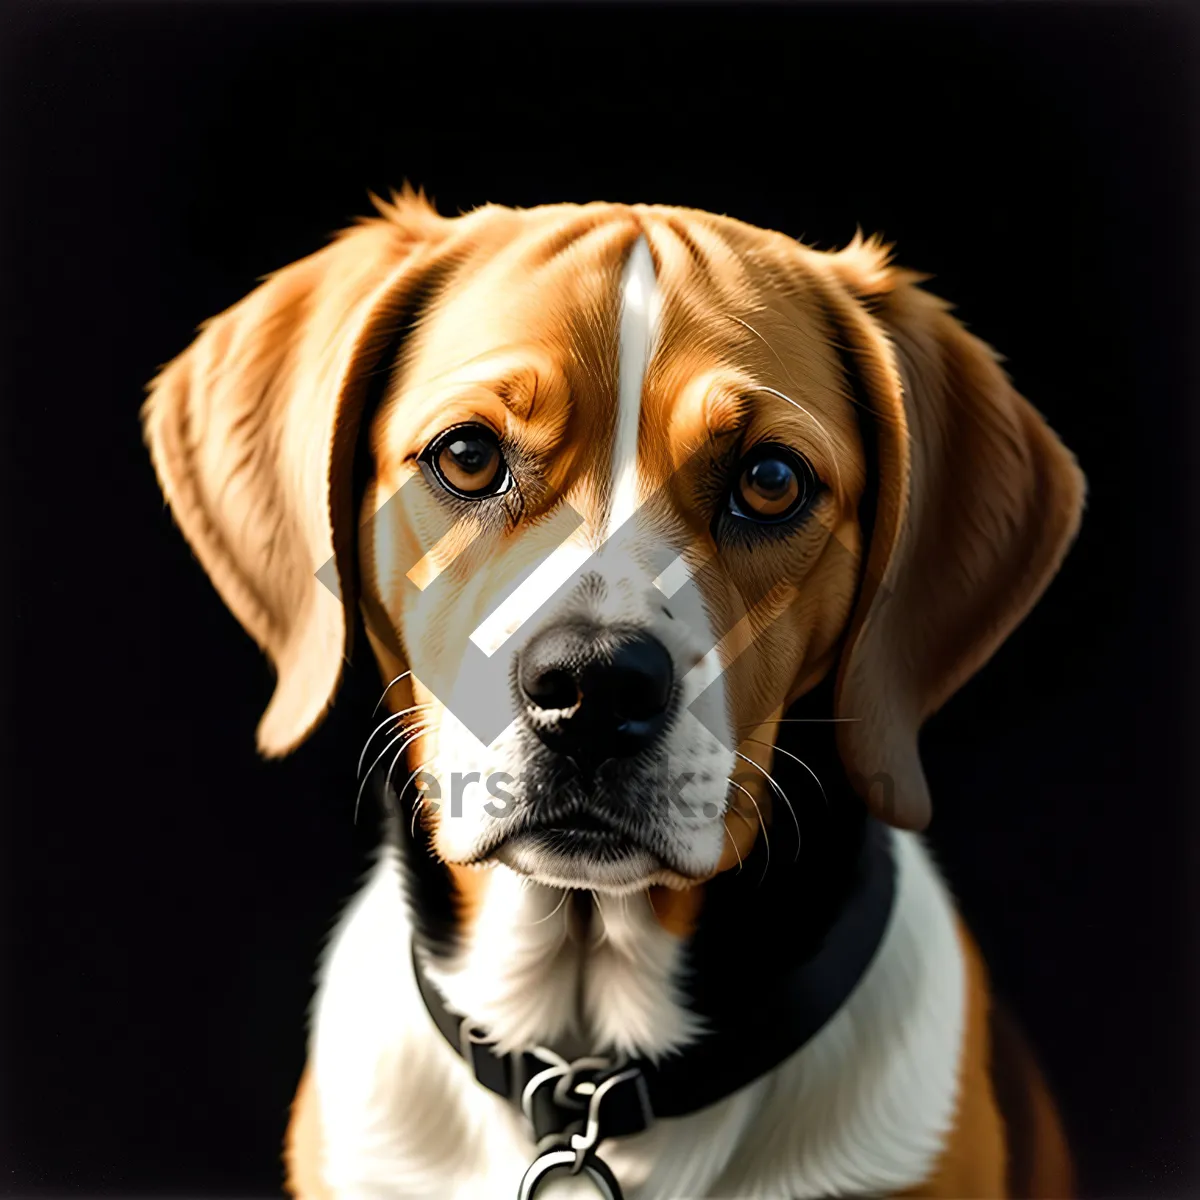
{"x": 584, "y": 850}
{"x": 585, "y": 835}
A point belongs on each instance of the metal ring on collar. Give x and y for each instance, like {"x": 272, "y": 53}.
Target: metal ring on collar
{"x": 554, "y": 1161}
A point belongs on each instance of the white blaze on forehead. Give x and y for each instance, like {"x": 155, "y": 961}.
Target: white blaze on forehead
{"x": 641, "y": 306}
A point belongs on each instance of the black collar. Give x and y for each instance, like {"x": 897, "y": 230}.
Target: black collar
{"x": 572, "y": 1106}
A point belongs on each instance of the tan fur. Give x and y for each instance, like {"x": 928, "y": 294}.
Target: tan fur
{"x": 972, "y": 1163}
{"x": 252, "y": 432}
{"x": 303, "y": 1147}
{"x": 248, "y": 425}
{"x": 977, "y": 1160}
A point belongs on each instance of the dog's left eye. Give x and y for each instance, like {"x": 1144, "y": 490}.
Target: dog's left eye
{"x": 467, "y": 462}
{"x": 773, "y": 483}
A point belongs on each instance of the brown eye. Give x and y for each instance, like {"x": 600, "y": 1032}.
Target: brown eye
{"x": 467, "y": 461}
{"x": 773, "y": 483}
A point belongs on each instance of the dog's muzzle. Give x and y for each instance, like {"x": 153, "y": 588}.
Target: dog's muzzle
{"x": 594, "y": 693}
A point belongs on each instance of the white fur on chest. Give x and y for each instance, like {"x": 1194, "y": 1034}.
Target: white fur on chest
{"x": 862, "y": 1108}
{"x": 526, "y": 979}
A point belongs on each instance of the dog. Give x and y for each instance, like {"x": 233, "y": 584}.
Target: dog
{"x": 666, "y": 533}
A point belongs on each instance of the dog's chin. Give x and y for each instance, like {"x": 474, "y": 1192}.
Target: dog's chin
{"x": 586, "y": 861}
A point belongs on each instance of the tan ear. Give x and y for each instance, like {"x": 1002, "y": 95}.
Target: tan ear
{"x": 977, "y": 503}
{"x": 252, "y": 433}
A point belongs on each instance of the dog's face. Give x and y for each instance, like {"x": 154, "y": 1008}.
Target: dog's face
{"x": 595, "y": 467}
{"x": 640, "y": 477}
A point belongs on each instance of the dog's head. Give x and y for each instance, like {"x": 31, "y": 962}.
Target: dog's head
{"x": 639, "y": 478}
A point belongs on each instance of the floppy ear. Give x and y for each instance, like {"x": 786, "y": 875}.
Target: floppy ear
{"x": 252, "y": 433}
{"x": 977, "y": 502}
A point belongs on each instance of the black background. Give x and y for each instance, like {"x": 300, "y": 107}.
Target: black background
{"x": 164, "y": 892}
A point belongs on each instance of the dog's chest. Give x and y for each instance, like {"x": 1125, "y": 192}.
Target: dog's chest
{"x": 674, "y": 1159}
{"x": 865, "y": 1106}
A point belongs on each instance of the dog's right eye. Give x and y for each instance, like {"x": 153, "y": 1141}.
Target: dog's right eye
{"x": 467, "y": 462}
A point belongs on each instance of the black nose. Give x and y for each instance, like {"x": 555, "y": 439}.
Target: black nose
{"x": 596, "y": 694}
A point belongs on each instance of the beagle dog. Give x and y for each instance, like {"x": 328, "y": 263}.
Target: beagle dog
{"x": 666, "y": 533}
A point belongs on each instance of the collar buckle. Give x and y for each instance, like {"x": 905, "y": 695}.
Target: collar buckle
{"x": 587, "y": 1099}
{"x": 631, "y": 1105}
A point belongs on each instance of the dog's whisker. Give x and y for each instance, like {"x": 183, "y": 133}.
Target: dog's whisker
{"x": 402, "y": 675}
{"x": 553, "y": 912}
{"x": 795, "y": 758}
{"x": 420, "y": 804}
{"x": 761, "y": 824}
{"x": 733, "y": 843}
{"x": 408, "y": 782}
{"x": 412, "y": 825}
{"x": 392, "y": 715}
{"x": 779, "y": 791}
{"x": 370, "y": 771}
{"x": 417, "y": 731}
{"x": 801, "y": 721}
{"x": 410, "y": 734}
{"x": 382, "y": 724}
{"x": 791, "y": 808}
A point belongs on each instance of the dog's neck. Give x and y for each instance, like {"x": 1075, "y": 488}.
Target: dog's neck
{"x": 582, "y": 972}
{"x": 577, "y": 972}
